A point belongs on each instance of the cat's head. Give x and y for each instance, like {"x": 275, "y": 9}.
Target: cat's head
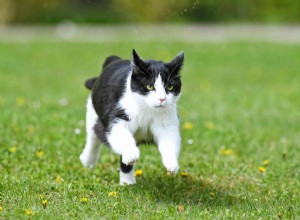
{"x": 156, "y": 83}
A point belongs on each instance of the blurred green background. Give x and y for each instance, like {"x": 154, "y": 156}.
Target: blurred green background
{"x": 149, "y": 11}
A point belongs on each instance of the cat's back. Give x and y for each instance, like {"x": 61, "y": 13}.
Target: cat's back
{"x": 110, "y": 86}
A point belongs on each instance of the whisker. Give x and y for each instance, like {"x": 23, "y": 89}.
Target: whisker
{"x": 175, "y": 78}
{"x": 186, "y": 111}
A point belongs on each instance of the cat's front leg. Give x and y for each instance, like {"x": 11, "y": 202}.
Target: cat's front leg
{"x": 122, "y": 142}
{"x": 168, "y": 141}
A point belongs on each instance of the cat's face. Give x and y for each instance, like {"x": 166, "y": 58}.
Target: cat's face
{"x": 155, "y": 83}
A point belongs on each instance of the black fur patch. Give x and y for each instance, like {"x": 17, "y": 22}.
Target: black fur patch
{"x": 125, "y": 168}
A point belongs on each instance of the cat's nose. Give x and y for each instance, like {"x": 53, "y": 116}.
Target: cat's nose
{"x": 162, "y": 100}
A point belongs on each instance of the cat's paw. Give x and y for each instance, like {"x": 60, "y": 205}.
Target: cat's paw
{"x": 171, "y": 165}
{"x": 130, "y": 156}
{"x": 88, "y": 160}
{"x": 127, "y": 178}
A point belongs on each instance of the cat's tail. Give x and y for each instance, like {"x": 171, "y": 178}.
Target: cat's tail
{"x": 90, "y": 83}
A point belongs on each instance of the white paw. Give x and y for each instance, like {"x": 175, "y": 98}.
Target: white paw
{"x": 88, "y": 160}
{"x": 127, "y": 178}
{"x": 171, "y": 165}
{"x": 130, "y": 156}
{"x": 124, "y": 183}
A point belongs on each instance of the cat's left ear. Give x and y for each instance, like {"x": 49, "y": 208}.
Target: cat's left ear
{"x": 176, "y": 64}
{"x": 137, "y": 61}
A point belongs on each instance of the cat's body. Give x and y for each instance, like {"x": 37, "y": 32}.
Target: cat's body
{"x": 132, "y": 102}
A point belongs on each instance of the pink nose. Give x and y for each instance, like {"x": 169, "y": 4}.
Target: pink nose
{"x": 162, "y": 100}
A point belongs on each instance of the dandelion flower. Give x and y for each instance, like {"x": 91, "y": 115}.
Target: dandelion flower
{"x": 77, "y": 131}
{"x": 1, "y": 208}
{"x": 180, "y": 208}
{"x": 112, "y": 194}
{"x": 184, "y": 174}
{"x": 226, "y": 152}
{"x": 84, "y": 200}
{"x": 210, "y": 125}
{"x": 41, "y": 196}
{"x": 262, "y": 169}
{"x": 138, "y": 172}
{"x": 20, "y": 101}
{"x": 266, "y": 162}
{"x": 190, "y": 141}
{"x": 12, "y": 149}
{"x": 187, "y": 125}
{"x": 31, "y": 129}
{"x": 40, "y": 154}
{"x": 63, "y": 102}
{"x": 44, "y": 203}
{"x": 29, "y": 212}
{"x": 58, "y": 179}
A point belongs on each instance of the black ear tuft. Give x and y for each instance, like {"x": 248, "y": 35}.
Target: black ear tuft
{"x": 136, "y": 58}
{"x": 176, "y": 64}
{"x": 137, "y": 61}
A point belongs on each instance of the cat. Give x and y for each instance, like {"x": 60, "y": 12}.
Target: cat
{"x": 134, "y": 101}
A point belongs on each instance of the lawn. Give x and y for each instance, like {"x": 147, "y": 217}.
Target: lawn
{"x": 240, "y": 125}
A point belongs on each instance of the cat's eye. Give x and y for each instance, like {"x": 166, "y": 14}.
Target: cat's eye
{"x": 170, "y": 87}
{"x": 150, "y": 87}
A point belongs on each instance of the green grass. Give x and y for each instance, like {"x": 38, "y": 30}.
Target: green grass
{"x": 239, "y": 96}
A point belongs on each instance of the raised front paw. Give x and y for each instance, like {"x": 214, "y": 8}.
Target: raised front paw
{"x": 171, "y": 165}
{"x": 130, "y": 156}
{"x": 88, "y": 160}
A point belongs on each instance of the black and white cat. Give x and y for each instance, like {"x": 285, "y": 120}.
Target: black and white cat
{"x": 132, "y": 102}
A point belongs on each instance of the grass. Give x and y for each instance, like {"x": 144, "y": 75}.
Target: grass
{"x": 242, "y": 100}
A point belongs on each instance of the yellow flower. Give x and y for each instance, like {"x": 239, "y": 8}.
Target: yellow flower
{"x": 29, "y": 212}
{"x": 20, "y": 101}
{"x": 212, "y": 195}
{"x": 209, "y": 125}
{"x": 262, "y": 169}
{"x": 1, "y": 208}
{"x": 12, "y": 149}
{"x": 58, "y": 179}
{"x": 226, "y": 152}
{"x": 187, "y": 125}
{"x": 184, "y": 174}
{"x": 31, "y": 129}
{"x": 112, "y": 194}
{"x": 84, "y": 199}
{"x": 40, "y": 154}
{"x": 180, "y": 208}
{"x": 138, "y": 172}
{"x": 266, "y": 162}
{"x": 41, "y": 196}
{"x": 44, "y": 203}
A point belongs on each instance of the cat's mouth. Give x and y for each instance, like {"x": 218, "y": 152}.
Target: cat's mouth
{"x": 160, "y": 106}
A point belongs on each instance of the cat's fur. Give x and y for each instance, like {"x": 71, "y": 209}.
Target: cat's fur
{"x": 131, "y": 102}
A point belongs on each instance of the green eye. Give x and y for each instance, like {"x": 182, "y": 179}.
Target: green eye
{"x": 150, "y": 87}
{"x": 170, "y": 87}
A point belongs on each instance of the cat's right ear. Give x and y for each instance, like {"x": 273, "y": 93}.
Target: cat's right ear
{"x": 137, "y": 61}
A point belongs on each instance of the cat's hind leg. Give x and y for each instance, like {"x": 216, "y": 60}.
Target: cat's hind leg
{"x": 89, "y": 156}
{"x": 126, "y": 173}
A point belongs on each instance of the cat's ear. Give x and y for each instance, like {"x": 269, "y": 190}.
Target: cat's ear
{"x": 137, "y": 61}
{"x": 176, "y": 64}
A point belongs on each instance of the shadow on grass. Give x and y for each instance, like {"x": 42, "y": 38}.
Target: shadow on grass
{"x": 189, "y": 191}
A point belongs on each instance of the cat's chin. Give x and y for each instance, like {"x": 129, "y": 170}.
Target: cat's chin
{"x": 160, "y": 106}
